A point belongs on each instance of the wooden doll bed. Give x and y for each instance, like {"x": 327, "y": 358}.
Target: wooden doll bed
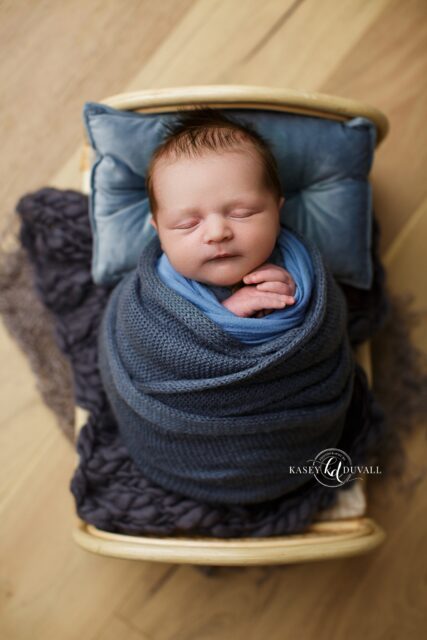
{"x": 342, "y": 530}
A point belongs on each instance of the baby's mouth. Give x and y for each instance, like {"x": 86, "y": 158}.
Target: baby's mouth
{"x": 223, "y": 256}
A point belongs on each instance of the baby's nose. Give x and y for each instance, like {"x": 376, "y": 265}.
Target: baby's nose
{"x": 216, "y": 228}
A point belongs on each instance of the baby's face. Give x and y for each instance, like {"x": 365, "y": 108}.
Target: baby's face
{"x": 212, "y": 205}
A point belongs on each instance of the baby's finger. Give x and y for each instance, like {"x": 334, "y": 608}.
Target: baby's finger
{"x": 270, "y": 301}
{"x": 286, "y": 277}
{"x": 278, "y": 287}
{"x": 272, "y": 272}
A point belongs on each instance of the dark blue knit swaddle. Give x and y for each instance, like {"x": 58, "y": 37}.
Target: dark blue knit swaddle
{"x": 212, "y": 418}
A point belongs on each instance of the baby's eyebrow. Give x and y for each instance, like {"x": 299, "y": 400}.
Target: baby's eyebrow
{"x": 239, "y": 201}
{"x": 229, "y": 203}
{"x": 187, "y": 212}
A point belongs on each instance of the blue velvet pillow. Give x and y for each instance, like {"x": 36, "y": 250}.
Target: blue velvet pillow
{"x": 323, "y": 165}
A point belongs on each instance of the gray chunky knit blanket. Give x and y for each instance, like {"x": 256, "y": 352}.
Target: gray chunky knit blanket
{"x": 212, "y": 418}
{"x": 110, "y": 492}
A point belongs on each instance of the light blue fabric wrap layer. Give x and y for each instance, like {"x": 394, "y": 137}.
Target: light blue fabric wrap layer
{"x": 296, "y": 260}
{"x": 323, "y": 167}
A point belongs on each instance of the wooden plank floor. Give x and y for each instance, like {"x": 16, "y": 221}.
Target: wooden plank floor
{"x": 57, "y": 55}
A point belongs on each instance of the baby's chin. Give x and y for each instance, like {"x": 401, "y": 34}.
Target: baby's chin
{"x": 222, "y": 280}
{"x": 225, "y": 272}
{"x": 222, "y": 274}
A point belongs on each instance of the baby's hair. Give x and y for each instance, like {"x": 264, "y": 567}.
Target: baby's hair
{"x": 195, "y": 131}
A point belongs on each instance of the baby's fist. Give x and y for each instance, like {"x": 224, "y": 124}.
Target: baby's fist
{"x": 247, "y": 301}
{"x": 270, "y": 277}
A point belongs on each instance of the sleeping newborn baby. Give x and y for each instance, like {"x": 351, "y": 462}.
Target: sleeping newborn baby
{"x": 224, "y": 353}
{"x": 215, "y": 199}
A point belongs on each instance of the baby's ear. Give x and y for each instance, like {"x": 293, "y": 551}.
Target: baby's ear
{"x": 153, "y": 222}
{"x": 281, "y": 202}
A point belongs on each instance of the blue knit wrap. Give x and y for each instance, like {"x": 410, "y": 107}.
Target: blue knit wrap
{"x": 208, "y": 416}
{"x": 295, "y": 259}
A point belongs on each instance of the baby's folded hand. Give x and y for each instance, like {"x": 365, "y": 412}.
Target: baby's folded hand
{"x": 274, "y": 279}
{"x": 249, "y": 301}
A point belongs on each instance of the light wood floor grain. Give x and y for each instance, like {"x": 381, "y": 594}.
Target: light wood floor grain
{"x": 57, "y": 55}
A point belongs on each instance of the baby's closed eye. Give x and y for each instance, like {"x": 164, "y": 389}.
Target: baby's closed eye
{"x": 187, "y": 224}
{"x": 242, "y": 213}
